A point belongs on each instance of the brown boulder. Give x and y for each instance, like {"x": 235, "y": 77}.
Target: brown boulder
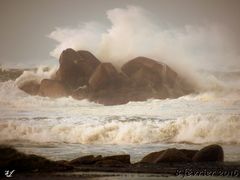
{"x": 76, "y": 67}
{"x": 151, "y": 158}
{"x": 31, "y": 87}
{"x": 12, "y": 159}
{"x": 108, "y": 87}
{"x": 122, "y": 158}
{"x": 166, "y": 156}
{"x": 104, "y": 77}
{"x": 172, "y": 155}
{"x": 145, "y": 71}
{"x": 211, "y": 153}
{"x": 85, "y": 160}
{"x": 114, "y": 161}
{"x": 52, "y": 88}
{"x": 156, "y": 79}
{"x": 80, "y": 93}
{"x": 189, "y": 153}
{"x": 110, "y": 163}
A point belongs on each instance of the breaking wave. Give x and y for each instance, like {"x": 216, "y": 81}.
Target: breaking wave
{"x": 210, "y": 116}
{"x": 192, "y": 129}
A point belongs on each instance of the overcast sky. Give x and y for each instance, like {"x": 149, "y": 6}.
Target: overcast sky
{"x": 25, "y": 24}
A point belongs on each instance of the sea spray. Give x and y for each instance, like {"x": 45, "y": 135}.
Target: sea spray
{"x": 194, "y": 129}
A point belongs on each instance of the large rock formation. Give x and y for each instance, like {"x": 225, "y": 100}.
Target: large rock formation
{"x": 82, "y": 76}
{"x": 76, "y": 67}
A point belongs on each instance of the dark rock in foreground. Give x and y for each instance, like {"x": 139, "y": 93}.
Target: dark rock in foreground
{"x": 82, "y": 76}
{"x": 170, "y": 161}
{"x": 212, "y": 153}
{"x": 12, "y": 159}
{"x": 85, "y": 160}
{"x": 150, "y": 158}
{"x": 114, "y": 161}
{"x": 108, "y": 161}
{"x": 170, "y": 155}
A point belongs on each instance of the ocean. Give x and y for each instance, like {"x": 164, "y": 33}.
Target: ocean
{"x": 66, "y": 128}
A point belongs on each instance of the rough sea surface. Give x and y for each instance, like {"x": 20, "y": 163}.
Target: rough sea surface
{"x": 66, "y": 128}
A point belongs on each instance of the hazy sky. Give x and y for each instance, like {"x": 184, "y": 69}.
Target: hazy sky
{"x": 25, "y": 24}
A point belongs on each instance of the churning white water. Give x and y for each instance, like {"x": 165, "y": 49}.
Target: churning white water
{"x": 65, "y": 128}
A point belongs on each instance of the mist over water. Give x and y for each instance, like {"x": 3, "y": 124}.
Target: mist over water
{"x": 202, "y": 54}
{"x": 134, "y": 31}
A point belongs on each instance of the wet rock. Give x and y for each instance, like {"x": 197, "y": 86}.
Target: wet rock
{"x": 211, "y": 153}
{"x": 122, "y": 158}
{"x": 148, "y": 72}
{"x": 157, "y": 79}
{"x": 189, "y": 153}
{"x": 81, "y": 93}
{"x": 62, "y": 162}
{"x": 107, "y": 86}
{"x": 82, "y": 76}
{"x": 104, "y": 77}
{"x": 85, "y": 160}
{"x": 110, "y": 163}
{"x": 172, "y": 155}
{"x": 52, "y": 88}
{"x": 114, "y": 161}
{"x": 166, "y": 156}
{"x": 76, "y": 67}
{"x": 151, "y": 158}
{"x": 10, "y": 158}
{"x": 31, "y": 87}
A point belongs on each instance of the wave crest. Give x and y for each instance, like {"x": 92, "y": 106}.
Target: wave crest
{"x": 195, "y": 129}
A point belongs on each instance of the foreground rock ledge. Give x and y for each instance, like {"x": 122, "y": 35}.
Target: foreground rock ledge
{"x": 169, "y": 161}
{"x": 82, "y": 76}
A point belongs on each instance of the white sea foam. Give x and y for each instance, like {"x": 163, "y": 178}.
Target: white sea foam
{"x": 36, "y": 75}
{"x": 192, "y": 129}
{"x": 133, "y": 32}
{"x": 200, "y": 118}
